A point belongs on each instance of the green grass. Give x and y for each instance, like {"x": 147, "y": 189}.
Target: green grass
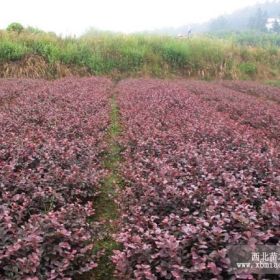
{"x": 106, "y": 209}
{"x": 120, "y": 55}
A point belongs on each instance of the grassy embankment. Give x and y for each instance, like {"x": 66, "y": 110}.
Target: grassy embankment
{"x": 45, "y": 55}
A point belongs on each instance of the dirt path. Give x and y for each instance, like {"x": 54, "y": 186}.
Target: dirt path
{"x": 107, "y": 211}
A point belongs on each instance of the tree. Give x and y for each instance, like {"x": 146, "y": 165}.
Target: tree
{"x": 276, "y": 26}
{"x": 219, "y": 24}
{"x": 15, "y": 27}
{"x": 259, "y": 20}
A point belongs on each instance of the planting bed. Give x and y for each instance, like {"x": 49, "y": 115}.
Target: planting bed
{"x": 255, "y": 89}
{"x": 51, "y": 139}
{"x": 202, "y": 168}
{"x": 199, "y": 164}
{"x": 259, "y": 113}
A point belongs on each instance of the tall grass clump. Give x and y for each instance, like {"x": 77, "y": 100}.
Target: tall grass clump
{"x": 12, "y": 51}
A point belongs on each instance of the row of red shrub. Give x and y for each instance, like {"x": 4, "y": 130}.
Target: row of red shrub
{"x": 259, "y": 111}
{"x": 51, "y": 139}
{"x": 200, "y": 177}
{"x": 256, "y": 89}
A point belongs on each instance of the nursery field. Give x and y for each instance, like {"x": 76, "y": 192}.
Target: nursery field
{"x": 192, "y": 167}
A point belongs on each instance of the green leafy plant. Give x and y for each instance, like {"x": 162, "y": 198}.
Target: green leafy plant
{"x": 248, "y": 68}
{"x": 11, "y": 51}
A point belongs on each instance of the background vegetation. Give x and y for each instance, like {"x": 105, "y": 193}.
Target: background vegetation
{"x": 30, "y": 52}
{"x": 248, "y": 19}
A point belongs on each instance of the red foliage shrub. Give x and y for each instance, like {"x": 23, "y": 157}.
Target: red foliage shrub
{"x": 255, "y": 89}
{"x": 259, "y": 113}
{"x": 200, "y": 178}
{"x": 50, "y": 144}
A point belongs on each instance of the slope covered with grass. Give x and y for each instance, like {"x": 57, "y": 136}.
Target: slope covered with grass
{"x": 45, "y": 55}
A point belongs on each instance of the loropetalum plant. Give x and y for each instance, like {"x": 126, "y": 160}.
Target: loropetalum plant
{"x": 52, "y": 136}
{"x": 202, "y": 167}
{"x": 255, "y": 89}
{"x": 247, "y": 110}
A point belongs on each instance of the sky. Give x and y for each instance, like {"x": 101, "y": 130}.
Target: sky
{"x": 69, "y": 17}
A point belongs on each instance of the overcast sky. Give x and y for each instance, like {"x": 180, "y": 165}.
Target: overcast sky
{"x": 76, "y": 16}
